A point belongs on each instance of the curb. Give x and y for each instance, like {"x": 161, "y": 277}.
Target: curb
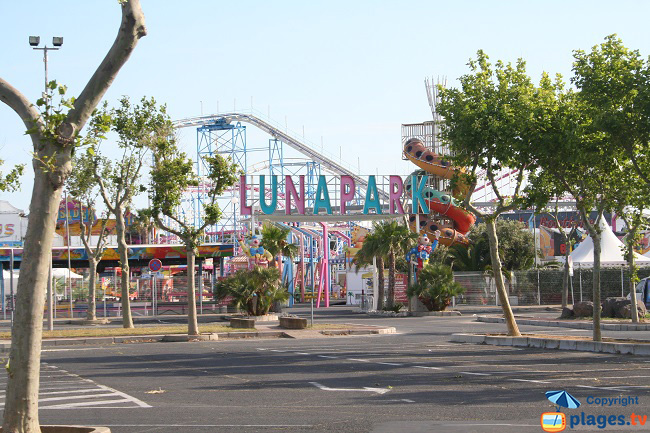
{"x": 549, "y": 343}
{"x": 72, "y": 429}
{"x": 574, "y": 325}
{"x": 5, "y": 347}
{"x": 414, "y": 313}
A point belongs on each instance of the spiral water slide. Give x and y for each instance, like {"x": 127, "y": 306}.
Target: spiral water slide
{"x": 441, "y": 204}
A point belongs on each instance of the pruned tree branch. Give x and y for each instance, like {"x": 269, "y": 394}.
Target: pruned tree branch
{"x": 168, "y": 229}
{"x": 19, "y": 103}
{"x": 132, "y": 28}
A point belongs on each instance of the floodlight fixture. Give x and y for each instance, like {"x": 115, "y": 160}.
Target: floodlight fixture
{"x": 34, "y": 41}
{"x": 57, "y": 41}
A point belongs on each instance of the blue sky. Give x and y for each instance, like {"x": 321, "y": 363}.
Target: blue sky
{"x": 350, "y": 72}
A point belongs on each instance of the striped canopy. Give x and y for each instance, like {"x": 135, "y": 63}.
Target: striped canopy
{"x": 563, "y": 398}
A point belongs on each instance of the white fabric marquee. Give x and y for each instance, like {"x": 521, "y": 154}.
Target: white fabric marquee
{"x": 611, "y": 251}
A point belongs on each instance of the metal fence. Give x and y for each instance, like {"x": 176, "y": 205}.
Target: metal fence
{"x": 149, "y": 296}
{"x": 544, "y": 286}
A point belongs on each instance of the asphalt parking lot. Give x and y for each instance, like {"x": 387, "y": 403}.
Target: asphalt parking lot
{"x": 412, "y": 381}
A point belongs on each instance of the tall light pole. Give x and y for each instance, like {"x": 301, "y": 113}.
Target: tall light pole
{"x": 57, "y": 41}
{"x": 34, "y": 41}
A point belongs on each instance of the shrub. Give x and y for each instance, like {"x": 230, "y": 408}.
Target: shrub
{"x": 396, "y": 307}
{"x": 253, "y": 290}
{"x": 435, "y": 286}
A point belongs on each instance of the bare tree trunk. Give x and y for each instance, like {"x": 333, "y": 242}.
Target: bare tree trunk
{"x": 192, "y": 323}
{"x": 122, "y": 249}
{"x": 391, "y": 279}
{"x": 91, "y": 314}
{"x": 630, "y": 260}
{"x": 596, "y": 286}
{"x": 565, "y": 277}
{"x": 380, "y": 282}
{"x": 23, "y": 367}
{"x": 513, "y": 329}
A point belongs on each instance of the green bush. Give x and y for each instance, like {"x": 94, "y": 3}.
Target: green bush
{"x": 253, "y": 290}
{"x": 435, "y": 287}
{"x": 396, "y": 308}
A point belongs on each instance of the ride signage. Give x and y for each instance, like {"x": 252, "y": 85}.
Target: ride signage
{"x": 328, "y": 195}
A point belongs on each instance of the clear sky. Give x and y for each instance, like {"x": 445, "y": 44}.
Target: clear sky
{"x": 349, "y": 72}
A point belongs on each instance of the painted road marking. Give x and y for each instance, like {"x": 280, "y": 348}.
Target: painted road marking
{"x": 364, "y": 389}
{"x": 76, "y": 391}
{"x": 488, "y": 373}
{"x": 529, "y": 380}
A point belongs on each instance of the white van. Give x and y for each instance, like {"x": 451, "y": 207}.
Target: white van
{"x": 643, "y": 291}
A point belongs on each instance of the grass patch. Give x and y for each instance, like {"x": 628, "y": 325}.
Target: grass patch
{"x": 140, "y": 330}
{"x": 642, "y": 319}
{"x": 321, "y": 326}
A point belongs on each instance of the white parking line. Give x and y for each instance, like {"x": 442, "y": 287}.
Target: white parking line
{"x": 60, "y": 394}
{"x": 529, "y": 380}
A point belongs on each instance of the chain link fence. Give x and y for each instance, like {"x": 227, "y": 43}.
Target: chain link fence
{"x": 150, "y": 296}
{"x": 544, "y": 286}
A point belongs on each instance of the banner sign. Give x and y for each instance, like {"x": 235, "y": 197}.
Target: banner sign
{"x": 331, "y": 194}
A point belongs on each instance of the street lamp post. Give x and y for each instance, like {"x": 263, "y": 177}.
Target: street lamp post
{"x": 57, "y": 41}
{"x": 34, "y": 41}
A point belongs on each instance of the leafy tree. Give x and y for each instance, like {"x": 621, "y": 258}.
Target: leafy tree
{"x": 573, "y": 157}
{"x": 83, "y": 188}
{"x": 435, "y": 286}
{"x": 516, "y": 244}
{"x": 567, "y": 238}
{"x": 54, "y": 136}
{"x": 396, "y": 239}
{"x": 614, "y": 85}
{"x": 11, "y": 181}
{"x": 171, "y": 175}
{"x": 138, "y": 127}
{"x": 629, "y": 202}
{"x": 486, "y": 125}
{"x": 253, "y": 290}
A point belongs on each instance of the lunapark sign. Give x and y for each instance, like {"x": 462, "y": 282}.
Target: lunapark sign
{"x": 335, "y": 195}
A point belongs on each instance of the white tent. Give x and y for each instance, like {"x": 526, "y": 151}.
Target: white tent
{"x": 6, "y": 276}
{"x": 63, "y": 273}
{"x": 611, "y": 249}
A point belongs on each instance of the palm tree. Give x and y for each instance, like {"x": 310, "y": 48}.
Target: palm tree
{"x": 373, "y": 248}
{"x": 396, "y": 240}
{"x": 274, "y": 240}
{"x": 469, "y": 258}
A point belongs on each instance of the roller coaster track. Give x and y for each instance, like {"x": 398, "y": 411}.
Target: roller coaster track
{"x": 326, "y": 162}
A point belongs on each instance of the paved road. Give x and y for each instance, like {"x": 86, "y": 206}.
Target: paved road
{"x": 415, "y": 381}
